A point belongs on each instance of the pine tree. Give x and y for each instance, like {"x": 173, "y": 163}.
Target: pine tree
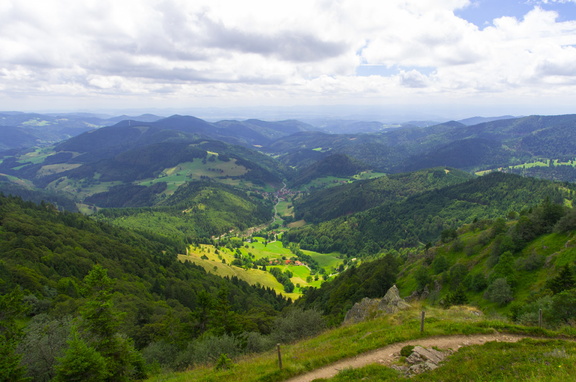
{"x": 81, "y": 362}
{"x": 562, "y": 282}
{"x": 100, "y": 323}
{"x": 11, "y": 308}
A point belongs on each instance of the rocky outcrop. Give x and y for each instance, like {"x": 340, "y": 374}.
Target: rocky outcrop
{"x": 421, "y": 360}
{"x": 373, "y": 307}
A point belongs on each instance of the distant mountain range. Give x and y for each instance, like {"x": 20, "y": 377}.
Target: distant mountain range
{"x": 73, "y": 155}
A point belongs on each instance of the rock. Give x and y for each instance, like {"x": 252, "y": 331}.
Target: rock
{"x": 422, "y": 360}
{"x": 420, "y": 354}
{"x": 392, "y": 302}
{"x": 367, "y": 307}
{"x": 373, "y": 307}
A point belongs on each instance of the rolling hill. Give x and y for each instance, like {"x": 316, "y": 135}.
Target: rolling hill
{"x": 421, "y": 218}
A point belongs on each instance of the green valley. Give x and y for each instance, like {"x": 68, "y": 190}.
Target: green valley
{"x": 206, "y": 244}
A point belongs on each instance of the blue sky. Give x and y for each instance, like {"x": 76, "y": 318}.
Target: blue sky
{"x": 450, "y": 58}
{"x": 483, "y": 12}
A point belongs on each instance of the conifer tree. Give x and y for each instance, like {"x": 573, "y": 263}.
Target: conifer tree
{"x": 99, "y": 326}
{"x": 11, "y": 307}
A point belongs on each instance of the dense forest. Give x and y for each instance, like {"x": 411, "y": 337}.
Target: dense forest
{"x": 58, "y": 267}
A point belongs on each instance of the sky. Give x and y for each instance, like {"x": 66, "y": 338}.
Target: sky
{"x": 450, "y": 58}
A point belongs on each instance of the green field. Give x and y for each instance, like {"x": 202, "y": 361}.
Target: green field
{"x": 218, "y": 261}
{"x": 80, "y": 189}
{"x": 368, "y": 175}
{"x": 331, "y": 181}
{"x": 36, "y": 156}
{"x": 196, "y": 170}
{"x": 542, "y": 162}
{"x": 285, "y": 208}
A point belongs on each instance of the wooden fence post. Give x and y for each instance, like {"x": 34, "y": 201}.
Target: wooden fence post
{"x": 540, "y": 318}
{"x": 279, "y": 356}
{"x": 422, "y": 322}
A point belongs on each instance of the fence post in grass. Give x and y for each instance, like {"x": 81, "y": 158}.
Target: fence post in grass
{"x": 279, "y": 356}
{"x": 540, "y": 318}
{"x": 422, "y": 321}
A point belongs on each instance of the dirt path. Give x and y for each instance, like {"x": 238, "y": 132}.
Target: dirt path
{"x": 388, "y": 354}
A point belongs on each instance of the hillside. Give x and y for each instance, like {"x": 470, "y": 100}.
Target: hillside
{"x": 358, "y": 196}
{"x": 196, "y": 210}
{"x": 128, "y": 156}
{"x": 517, "y": 267}
{"x": 422, "y": 218}
{"x": 51, "y": 260}
{"x": 336, "y": 165}
{"x": 545, "y": 358}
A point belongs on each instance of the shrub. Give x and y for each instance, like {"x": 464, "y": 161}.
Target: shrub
{"x": 499, "y": 292}
{"x": 207, "y": 350}
{"x": 406, "y": 350}
{"x": 297, "y": 324}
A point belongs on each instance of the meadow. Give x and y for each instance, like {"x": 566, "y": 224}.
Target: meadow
{"x": 219, "y": 261}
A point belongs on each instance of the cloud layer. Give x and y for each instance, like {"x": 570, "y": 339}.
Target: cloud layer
{"x": 178, "y": 52}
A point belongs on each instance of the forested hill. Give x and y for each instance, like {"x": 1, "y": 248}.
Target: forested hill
{"x": 422, "y": 218}
{"x": 46, "y": 257}
{"x": 516, "y": 266}
{"x": 358, "y": 196}
{"x": 196, "y": 210}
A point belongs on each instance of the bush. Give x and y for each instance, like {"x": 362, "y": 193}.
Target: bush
{"x": 499, "y": 292}
{"x": 207, "y": 350}
{"x": 476, "y": 282}
{"x": 161, "y": 353}
{"x": 529, "y": 314}
{"x": 297, "y": 324}
{"x": 407, "y": 350}
{"x": 564, "y": 306}
{"x": 257, "y": 343}
{"x": 224, "y": 363}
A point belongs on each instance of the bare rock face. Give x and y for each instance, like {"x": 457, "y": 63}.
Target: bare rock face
{"x": 374, "y": 307}
{"x": 392, "y": 302}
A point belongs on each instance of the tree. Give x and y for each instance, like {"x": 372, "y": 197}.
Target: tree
{"x": 564, "y": 305}
{"x": 100, "y": 323}
{"x": 440, "y": 264}
{"x": 422, "y": 278}
{"x": 562, "y": 282}
{"x": 499, "y": 292}
{"x": 11, "y": 308}
{"x": 81, "y": 362}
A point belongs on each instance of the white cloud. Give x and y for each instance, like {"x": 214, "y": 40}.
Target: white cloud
{"x": 207, "y": 50}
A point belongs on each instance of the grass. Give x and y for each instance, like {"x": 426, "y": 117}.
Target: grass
{"x": 206, "y": 256}
{"x": 351, "y": 340}
{"x": 527, "y": 360}
{"x": 196, "y": 169}
{"x": 37, "y": 156}
{"x": 535, "y": 163}
{"x": 251, "y": 276}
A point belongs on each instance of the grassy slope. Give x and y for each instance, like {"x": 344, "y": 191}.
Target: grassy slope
{"x": 272, "y": 250}
{"x": 351, "y": 340}
{"x": 528, "y": 360}
{"x": 557, "y": 250}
